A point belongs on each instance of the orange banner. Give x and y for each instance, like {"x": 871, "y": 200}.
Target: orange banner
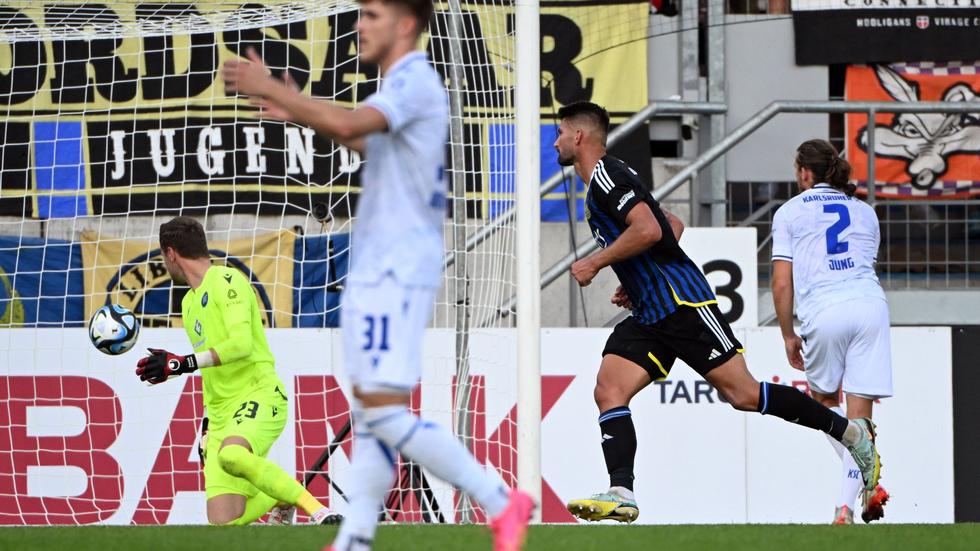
{"x": 918, "y": 156}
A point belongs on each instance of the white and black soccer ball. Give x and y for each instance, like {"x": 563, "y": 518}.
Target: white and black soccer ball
{"x": 113, "y": 329}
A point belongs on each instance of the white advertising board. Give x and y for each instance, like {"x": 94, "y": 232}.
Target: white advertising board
{"x": 83, "y": 441}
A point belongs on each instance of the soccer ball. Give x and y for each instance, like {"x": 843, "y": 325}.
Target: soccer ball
{"x": 113, "y": 329}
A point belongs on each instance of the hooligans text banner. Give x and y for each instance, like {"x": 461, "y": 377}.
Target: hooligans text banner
{"x": 874, "y": 31}
{"x": 918, "y": 155}
{"x": 102, "y": 112}
{"x": 131, "y": 273}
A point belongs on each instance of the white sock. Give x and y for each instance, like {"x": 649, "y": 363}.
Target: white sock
{"x": 851, "y": 481}
{"x": 436, "y": 449}
{"x": 371, "y": 476}
{"x": 851, "y": 434}
{"x": 622, "y": 492}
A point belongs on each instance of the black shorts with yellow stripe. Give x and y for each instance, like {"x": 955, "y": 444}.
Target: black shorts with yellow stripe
{"x": 698, "y": 335}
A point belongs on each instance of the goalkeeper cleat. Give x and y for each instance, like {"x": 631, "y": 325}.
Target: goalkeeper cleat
{"x": 843, "y": 515}
{"x": 874, "y": 504}
{"x": 607, "y": 505}
{"x": 282, "y": 515}
{"x": 326, "y": 516}
{"x": 866, "y": 454}
{"x": 510, "y": 526}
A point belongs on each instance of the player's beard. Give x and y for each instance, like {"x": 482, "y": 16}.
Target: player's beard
{"x": 565, "y": 161}
{"x": 176, "y": 276}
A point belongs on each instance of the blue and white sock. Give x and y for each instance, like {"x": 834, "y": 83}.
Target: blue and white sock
{"x": 372, "y": 474}
{"x": 436, "y": 449}
{"x": 851, "y": 481}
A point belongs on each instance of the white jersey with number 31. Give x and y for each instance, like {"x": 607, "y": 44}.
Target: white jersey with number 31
{"x": 832, "y": 241}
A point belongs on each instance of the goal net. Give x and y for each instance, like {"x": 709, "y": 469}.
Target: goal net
{"x": 115, "y": 120}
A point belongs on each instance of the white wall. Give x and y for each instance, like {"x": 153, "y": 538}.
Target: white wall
{"x": 703, "y": 245}
{"x": 760, "y": 68}
{"x": 698, "y": 461}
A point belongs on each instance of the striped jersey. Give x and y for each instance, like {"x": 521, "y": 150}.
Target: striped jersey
{"x": 832, "y": 241}
{"x": 658, "y": 279}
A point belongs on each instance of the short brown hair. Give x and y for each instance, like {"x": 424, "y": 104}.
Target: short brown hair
{"x": 420, "y": 9}
{"x": 828, "y": 167}
{"x": 186, "y": 236}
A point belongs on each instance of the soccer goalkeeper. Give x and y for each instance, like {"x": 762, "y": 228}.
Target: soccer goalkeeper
{"x": 246, "y": 406}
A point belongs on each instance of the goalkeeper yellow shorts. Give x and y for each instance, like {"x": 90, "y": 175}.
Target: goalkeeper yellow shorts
{"x": 258, "y": 416}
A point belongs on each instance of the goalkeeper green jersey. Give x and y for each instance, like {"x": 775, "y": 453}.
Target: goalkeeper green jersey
{"x": 223, "y": 314}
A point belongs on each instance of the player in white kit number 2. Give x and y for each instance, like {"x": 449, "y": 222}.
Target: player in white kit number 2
{"x": 824, "y": 248}
{"x": 396, "y": 267}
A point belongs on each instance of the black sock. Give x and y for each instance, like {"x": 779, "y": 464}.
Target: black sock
{"x": 618, "y": 445}
{"x": 792, "y": 405}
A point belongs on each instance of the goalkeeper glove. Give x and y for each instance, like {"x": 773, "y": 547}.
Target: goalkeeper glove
{"x": 202, "y": 444}
{"x": 161, "y": 364}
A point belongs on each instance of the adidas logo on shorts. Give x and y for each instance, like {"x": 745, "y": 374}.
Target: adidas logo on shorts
{"x": 714, "y": 354}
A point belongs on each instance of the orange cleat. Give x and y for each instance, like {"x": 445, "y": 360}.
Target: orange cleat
{"x": 874, "y": 504}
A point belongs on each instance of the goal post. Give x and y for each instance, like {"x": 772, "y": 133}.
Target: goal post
{"x": 115, "y": 120}
{"x": 527, "y": 111}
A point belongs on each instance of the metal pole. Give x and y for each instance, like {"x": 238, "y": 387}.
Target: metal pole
{"x": 690, "y": 80}
{"x": 462, "y": 416}
{"x": 571, "y": 200}
{"x": 528, "y": 203}
{"x": 716, "y": 93}
{"x": 872, "y": 157}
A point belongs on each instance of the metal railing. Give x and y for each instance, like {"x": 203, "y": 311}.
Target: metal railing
{"x": 715, "y": 152}
{"x": 654, "y": 109}
{"x": 925, "y": 244}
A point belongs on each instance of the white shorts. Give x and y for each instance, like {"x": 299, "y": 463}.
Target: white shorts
{"x": 383, "y": 326}
{"x": 848, "y": 346}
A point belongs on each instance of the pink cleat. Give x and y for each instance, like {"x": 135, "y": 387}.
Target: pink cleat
{"x": 510, "y": 527}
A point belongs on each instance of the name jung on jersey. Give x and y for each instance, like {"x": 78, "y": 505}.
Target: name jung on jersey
{"x": 841, "y": 263}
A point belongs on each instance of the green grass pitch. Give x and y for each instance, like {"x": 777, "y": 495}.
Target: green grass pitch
{"x": 781, "y": 537}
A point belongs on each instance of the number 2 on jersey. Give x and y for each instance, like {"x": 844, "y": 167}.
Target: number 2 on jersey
{"x": 369, "y": 333}
{"x": 834, "y": 245}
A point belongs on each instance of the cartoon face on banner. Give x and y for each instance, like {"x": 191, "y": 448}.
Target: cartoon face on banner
{"x": 918, "y": 154}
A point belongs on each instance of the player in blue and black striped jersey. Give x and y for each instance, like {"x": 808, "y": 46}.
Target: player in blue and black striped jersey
{"x": 674, "y": 315}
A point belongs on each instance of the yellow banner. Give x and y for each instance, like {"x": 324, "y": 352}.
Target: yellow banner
{"x": 131, "y": 273}
{"x": 111, "y": 60}
{"x": 608, "y": 50}
{"x": 119, "y": 107}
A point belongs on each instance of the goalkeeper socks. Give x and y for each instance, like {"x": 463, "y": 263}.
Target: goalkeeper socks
{"x": 792, "y": 405}
{"x": 851, "y": 480}
{"x": 255, "y": 507}
{"x": 618, "y": 445}
{"x": 436, "y": 449}
{"x": 371, "y": 476}
{"x": 265, "y": 475}
{"x": 308, "y": 503}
